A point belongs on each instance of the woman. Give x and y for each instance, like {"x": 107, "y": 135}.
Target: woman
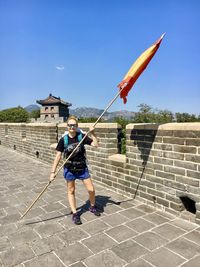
{"x": 76, "y": 167}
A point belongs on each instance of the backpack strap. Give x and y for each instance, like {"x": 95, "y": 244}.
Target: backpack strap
{"x": 80, "y": 137}
{"x": 66, "y": 139}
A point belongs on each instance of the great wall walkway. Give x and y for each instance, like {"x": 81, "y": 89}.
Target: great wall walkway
{"x": 128, "y": 233}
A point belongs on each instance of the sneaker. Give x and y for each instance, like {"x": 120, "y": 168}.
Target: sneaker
{"x": 94, "y": 210}
{"x": 76, "y": 219}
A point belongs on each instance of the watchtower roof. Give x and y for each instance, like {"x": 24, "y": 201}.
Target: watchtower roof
{"x": 53, "y": 100}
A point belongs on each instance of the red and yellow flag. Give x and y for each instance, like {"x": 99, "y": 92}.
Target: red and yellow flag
{"x": 137, "y": 68}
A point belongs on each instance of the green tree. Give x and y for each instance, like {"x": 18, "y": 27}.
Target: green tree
{"x": 122, "y": 134}
{"x": 164, "y": 116}
{"x": 144, "y": 115}
{"x": 34, "y": 114}
{"x": 17, "y": 114}
{"x": 148, "y": 115}
{"x": 186, "y": 117}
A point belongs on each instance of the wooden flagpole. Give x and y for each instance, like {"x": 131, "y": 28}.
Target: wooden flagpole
{"x": 47, "y": 185}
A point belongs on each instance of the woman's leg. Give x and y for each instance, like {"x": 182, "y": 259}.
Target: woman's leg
{"x": 91, "y": 191}
{"x": 71, "y": 195}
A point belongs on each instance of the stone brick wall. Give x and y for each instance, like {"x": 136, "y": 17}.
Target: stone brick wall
{"x": 166, "y": 162}
{"x": 161, "y": 165}
{"x": 34, "y": 139}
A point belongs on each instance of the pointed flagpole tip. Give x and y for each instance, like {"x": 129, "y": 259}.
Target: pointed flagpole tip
{"x": 162, "y": 36}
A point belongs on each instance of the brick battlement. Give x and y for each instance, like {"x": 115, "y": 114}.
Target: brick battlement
{"x": 161, "y": 165}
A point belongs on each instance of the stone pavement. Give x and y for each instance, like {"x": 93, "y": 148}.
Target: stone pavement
{"x": 128, "y": 233}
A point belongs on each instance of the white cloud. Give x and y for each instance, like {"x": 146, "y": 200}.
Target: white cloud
{"x": 60, "y": 67}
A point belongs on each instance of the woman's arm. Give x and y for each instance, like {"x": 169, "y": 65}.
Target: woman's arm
{"x": 94, "y": 137}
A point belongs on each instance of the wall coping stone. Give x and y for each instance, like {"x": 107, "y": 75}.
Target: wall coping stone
{"x": 54, "y": 145}
{"x": 118, "y": 157}
{"x": 13, "y": 123}
{"x": 185, "y": 126}
{"x": 42, "y": 124}
{"x": 112, "y": 125}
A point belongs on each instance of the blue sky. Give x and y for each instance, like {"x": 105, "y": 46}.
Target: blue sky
{"x": 80, "y": 50}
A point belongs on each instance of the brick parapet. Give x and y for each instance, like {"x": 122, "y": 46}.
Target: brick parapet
{"x": 161, "y": 165}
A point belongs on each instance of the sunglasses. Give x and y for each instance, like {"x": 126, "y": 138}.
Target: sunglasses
{"x": 72, "y": 125}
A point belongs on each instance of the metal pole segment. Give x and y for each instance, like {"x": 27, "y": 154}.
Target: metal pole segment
{"x": 44, "y": 189}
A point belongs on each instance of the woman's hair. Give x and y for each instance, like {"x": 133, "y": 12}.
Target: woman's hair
{"x": 72, "y": 118}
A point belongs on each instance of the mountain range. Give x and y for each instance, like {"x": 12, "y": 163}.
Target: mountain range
{"x": 87, "y": 112}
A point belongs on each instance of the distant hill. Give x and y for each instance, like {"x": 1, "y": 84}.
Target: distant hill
{"x": 121, "y": 113}
{"x": 31, "y": 108}
{"x": 85, "y": 112}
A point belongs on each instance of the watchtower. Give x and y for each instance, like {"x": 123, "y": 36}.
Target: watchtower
{"x": 53, "y": 109}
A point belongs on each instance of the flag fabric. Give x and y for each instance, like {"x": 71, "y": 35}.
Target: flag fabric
{"x": 137, "y": 68}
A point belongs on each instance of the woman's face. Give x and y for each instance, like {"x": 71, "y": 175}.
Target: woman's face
{"x": 72, "y": 126}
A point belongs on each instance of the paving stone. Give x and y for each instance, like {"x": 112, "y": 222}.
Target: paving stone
{"x": 139, "y": 263}
{"x": 166, "y": 215}
{"x": 48, "y": 229}
{"x": 72, "y": 254}
{"x": 66, "y": 222}
{"x": 51, "y": 216}
{"x": 4, "y": 244}
{"x": 88, "y": 216}
{"x": 10, "y": 218}
{"x": 155, "y": 218}
{"x": 140, "y": 225}
{"x": 65, "y": 243}
{"x": 72, "y": 235}
{"x": 194, "y": 236}
{"x": 115, "y": 219}
{"x": 53, "y": 207}
{"x": 15, "y": 256}
{"x": 94, "y": 227}
{"x": 192, "y": 263}
{"x": 164, "y": 258}
{"x": 78, "y": 264}
{"x": 99, "y": 242}
{"x": 46, "y": 245}
{"x": 121, "y": 233}
{"x": 168, "y": 231}
{"x": 45, "y": 260}
{"x": 2, "y": 213}
{"x": 110, "y": 209}
{"x": 132, "y": 213}
{"x": 184, "y": 248}
{"x": 129, "y": 250}
{"x": 126, "y": 204}
{"x": 6, "y": 230}
{"x": 145, "y": 208}
{"x": 104, "y": 259}
{"x": 35, "y": 212}
{"x": 4, "y": 204}
{"x": 187, "y": 226}
{"x": 150, "y": 240}
{"x": 23, "y": 237}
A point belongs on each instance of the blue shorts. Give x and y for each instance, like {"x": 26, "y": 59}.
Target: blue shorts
{"x": 69, "y": 176}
